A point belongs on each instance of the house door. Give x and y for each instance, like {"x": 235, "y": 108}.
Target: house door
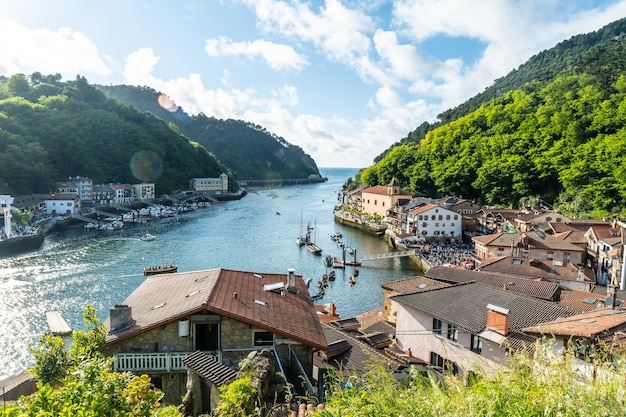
{"x": 207, "y": 336}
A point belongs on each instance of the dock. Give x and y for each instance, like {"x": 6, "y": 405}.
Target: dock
{"x": 57, "y": 324}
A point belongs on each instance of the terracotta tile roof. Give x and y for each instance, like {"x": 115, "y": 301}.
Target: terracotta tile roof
{"x": 536, "y": 240}
{"x": 591, "y": 324}
{"x": 533, "y": 268}
{"x": 544, "y": 290}
{"x": 382, "y": 190}
{"x": 415, "y": 284}
{"x": 239, "y": 295}
{"x": 423, "y": 208}
{"x": 579, "y": 225}
{"x": 465, "y": 306}
{"x": 582, "y": 300}
{"x": 210, "y": 369}
{"x": 577, "y": 237}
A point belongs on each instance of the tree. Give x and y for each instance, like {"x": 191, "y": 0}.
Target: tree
{"x": 80, "y": 381}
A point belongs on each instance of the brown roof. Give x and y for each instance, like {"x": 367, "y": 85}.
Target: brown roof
{"x": 414, "y": 284}
{"x": 423, "y": 208}
{"x": 591, "y": 324}
{"x": 383, "y": 190}
{"x": 582, "y": 300}
{"x": 533, "y": 268}
{"x": 536, "y": 240}
{"x": 577, "y": 237}
{"x": 544, "y": 290}
{"x": 239, "y": 295}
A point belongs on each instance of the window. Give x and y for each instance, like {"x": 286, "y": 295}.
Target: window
{"x": 450, "y": 367}
{"x": 453, "y": 332}
{"x": 437, "y": 326}
{"x": 447, "y": 217}
{"x": 477, "y": 344}
{"x": 436, "y": 360}
{"x": 440, "y": 217}
{"x": 263, "y": 338}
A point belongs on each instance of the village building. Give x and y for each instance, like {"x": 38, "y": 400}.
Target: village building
{"x": 61, "y": 204}
{"x": 482, "y": 329}
{"x": 565, "y": 274}
{"x": 405, "y": 286}
{"x": 214, "y": 185}
{"x": 532, "y": 245}
{"x": 529, "y": 219}
{"x": 223, "y": 313}
{"x": 144, "y": 191}
{"x": 434, "y": 223}
{"x": 377, "y": 200}
{"x": 603, "y": 246}
{"x": 124, "y": 193}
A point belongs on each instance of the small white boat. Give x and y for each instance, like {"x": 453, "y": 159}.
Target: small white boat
{"x": 147, "y": 237}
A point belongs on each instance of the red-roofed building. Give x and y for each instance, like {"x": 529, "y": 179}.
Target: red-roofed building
{"x": 224, "y": 313}
{"x": 380, "y": 198}
{"x": 432, "y": 222}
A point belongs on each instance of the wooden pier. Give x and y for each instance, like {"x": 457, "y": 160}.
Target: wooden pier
{"x": 57, "y": 324}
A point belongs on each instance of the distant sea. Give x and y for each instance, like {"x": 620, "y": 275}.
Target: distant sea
{"x": 80, "y": 267}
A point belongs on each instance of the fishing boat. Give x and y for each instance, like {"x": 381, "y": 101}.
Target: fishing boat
{"x": 352, "y": 280}
{"x": 328, "y": 261}
{"x": 300, "y": 240}
{"x": 160, "y": 269}
{"x": 310, "y": 245}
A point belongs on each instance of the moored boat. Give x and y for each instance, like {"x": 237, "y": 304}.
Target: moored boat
{"x": 163, "y": 269}
{"x": 147, "y": 237}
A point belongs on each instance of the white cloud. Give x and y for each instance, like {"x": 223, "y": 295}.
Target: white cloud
{"x": 62, "y": 51}
{"x": 277, "y": 57}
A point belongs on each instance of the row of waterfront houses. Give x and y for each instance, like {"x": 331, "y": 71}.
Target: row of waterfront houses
{"x": 586, "y": 252}
{"x": 79, "y": 194}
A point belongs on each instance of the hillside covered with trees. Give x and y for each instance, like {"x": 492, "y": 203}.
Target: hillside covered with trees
{"x": 560, "y": 137}
{"x": 51, "y": 130}
{"x": 249, "y": 150}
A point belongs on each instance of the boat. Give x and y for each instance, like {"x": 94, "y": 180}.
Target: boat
{"x": 163, "y": 269}
{"x": 336, "y": 235}
{"x": 310, "y": 245}
{"x": 331, "y": 276}
{"x": 146, "y": 237}
{"x": 160, "y": 269}
{"x": 352, "y": 280}
{"x": 328, "y": 260}
{"x": 300, "y": 240}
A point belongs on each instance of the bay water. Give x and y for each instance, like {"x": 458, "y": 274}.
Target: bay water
{"x": 79, "y": 267}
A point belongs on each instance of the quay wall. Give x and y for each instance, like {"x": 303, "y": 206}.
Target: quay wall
{"x": 359, "y": 222}
{"x": 281, "y": 181}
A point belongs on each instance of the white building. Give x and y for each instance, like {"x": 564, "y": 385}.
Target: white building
{"x": 432, "y": 222}
{"x": 216, "y": 185}
{"x": 144, "y": 191}
{"x": 62, "y": 204}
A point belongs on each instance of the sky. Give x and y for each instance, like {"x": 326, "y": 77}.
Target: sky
{"x": 343, "y": 80}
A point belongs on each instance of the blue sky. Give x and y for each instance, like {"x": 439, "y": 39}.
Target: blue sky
{"x": 343, "y": 80}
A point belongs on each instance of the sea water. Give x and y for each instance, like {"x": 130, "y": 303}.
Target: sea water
{"x": 81, "y": 267}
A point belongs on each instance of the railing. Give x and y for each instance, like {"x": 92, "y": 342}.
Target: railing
{"x": 153, "y": 362}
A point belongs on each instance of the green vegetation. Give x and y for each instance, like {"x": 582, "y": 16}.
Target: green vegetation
{"x": 560, "y": 141}
{"x": 51, "y": 130}
{"x": 80, "y": 382}
{"x": 248, "y": 149}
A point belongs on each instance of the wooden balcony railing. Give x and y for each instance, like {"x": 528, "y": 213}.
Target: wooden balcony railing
{"x": 153, "y": 362}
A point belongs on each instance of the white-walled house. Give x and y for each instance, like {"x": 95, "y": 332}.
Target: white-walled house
{"x": 433, "y": 222}
{"x": 62, "y": 204}
{"x": 381, "y": 198}
{"x": 144, "y": 191}
{"x": 470, "y": 326}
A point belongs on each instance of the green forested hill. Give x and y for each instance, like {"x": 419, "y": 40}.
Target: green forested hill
{"x": 249, "y": 150}
{"x": 50, "y": 130}
{"x": 560, "y": 138}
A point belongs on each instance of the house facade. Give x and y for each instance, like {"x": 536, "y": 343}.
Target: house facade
{"x": 603, "y": 246}
{"x": 379, "y": 198}
{"x": 223, "y": 313}
{"x": 469, "y": 327}
{"x": 144, "y": 191}
{"x": 62, "y": 204}
{"x": 533, "y": 245}
{"x": 434, "y": 223}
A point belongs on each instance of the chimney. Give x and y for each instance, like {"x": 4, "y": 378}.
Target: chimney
{"x": 497, "y": 319}
{"x": 121, "y": 318}
{"x": 291, "y": 280}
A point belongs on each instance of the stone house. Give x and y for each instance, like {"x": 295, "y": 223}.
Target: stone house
{"x": 222, "y": 313}
{"x": 467, "y": 327}
{"x": 527, "y": 220}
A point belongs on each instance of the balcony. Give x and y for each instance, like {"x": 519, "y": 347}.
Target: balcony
{"x": 157, "y": 362}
